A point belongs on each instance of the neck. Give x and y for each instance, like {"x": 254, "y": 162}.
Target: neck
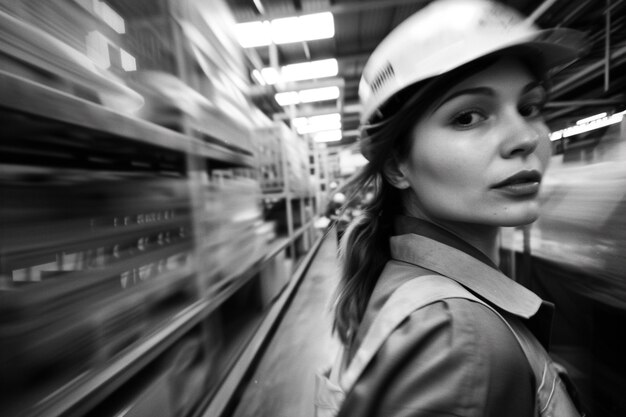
{"x": 482, "y": 237}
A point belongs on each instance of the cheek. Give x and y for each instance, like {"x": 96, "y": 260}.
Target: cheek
{"x": 544, "y": 149}
{"x": 449, "y": 168}
{"x": 444, "y": 188}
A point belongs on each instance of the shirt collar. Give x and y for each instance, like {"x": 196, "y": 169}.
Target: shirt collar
{"x": 406, "y": 224}
{"x": 448, "y": 255}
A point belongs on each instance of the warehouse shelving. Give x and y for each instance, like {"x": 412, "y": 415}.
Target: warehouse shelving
{"x": 284, "y": 163}
{"x": 22, "y": 95}
{"x": 88, "y": 389}
{"x": 97, "y": 154}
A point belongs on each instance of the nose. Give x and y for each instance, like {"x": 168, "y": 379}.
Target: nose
{"x": 522, "y": 135}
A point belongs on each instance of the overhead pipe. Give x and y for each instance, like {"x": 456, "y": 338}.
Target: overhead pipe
{"x": 607, "y": 45}
{"x": 608, "y": 9}
{"x": 568, "y": 84}
{"x": 573, "y": 13}
{"x": 336, "y": 9}
{"x": 579, "y": 78}
{"x": 588, "y": 102}
{"x": 532, "y": 18}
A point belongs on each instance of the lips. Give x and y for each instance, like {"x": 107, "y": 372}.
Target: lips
{"x": 522, "y": 183}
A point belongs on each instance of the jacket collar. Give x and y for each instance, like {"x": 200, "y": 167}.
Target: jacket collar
{"x": 465, "y": 264}
{"x": 405, "y": 224}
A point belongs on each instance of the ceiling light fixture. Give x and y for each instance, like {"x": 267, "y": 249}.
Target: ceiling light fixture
{"x": 591, "y": 118}
{"x": 587, "y": 124}
{"x": 269, "y": 75}
{"x": 287, "y": 98}
{"x": 256, "y": 74}
{"x": 328, "y": 136}
{"x": 310, "y": 70}
{"x": 319, "y": 94}
{"x": 286, "y": 30}
{"x": 303, "y": 28}
{"x": 307, "y": 96}
{"x": 253, "y": 34}
{"x": 297, "y": 72}
{"x": 319, "y": 123}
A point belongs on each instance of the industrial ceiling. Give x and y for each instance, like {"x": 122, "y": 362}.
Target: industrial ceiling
{"x": 594, "y": 84}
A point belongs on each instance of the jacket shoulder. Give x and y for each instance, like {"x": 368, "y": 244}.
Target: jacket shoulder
{"x": 452, "y": 357}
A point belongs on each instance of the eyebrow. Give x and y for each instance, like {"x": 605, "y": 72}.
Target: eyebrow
{"x": 485, "y": 91}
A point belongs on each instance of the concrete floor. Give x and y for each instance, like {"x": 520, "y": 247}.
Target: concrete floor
{"x": 283, "y": 382}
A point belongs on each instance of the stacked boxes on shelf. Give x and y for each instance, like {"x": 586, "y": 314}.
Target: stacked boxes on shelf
{"x": 269, "y": 153}
{"x": 283, "y": 160}
{"x": 234, "y": 234}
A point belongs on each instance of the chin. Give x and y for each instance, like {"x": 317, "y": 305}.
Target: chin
{"x": 521, "y": 220}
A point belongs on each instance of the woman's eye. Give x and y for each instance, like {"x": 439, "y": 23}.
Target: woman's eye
{"x": 531, "y": 109}
{"x": 468, "y": 119}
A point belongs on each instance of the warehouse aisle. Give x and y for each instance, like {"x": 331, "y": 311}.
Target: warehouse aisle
{"x": 283, "y": 383}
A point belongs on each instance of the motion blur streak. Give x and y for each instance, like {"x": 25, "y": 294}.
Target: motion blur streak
{"x": 583, "y": 221}
{"x": 132, "y": 217}
{"x": 575, "y": 257}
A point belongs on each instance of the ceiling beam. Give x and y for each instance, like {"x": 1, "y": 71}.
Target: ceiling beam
{"x": 587, "y": 73}
{"x": 586, "y": 102}
{"x": 260, "y": 90}
{"x": 336, "y": 9}
{"x": 539, "y": 11}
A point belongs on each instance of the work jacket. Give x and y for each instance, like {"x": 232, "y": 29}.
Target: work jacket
{"x": 455, "y": 357}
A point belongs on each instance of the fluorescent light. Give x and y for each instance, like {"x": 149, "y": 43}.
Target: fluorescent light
{"x": 324, "y": 118}
{"x": 253, "y": 34}
{"x": 593, "y": 123}
{"x": 319, "y": 94}
{"x": 591, "y": 118}
{"x": 287, "y": 98}
{"x": 270, "y": 75}
{"x": 310, "y": 70}
{"x": 307, "y": 96}
{"x": 328, "y": 136}
{"x": 286, "y": 30}
{"x": 303, "y": 28}
{"x": 320, "y": 123}
{"x": 298, "y": 72}
{"x": 300, "y": 121}
{"x": 256, "y": 74}
{"x": 318, "y": 128}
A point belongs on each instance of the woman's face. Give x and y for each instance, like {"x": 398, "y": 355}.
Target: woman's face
{"x": 479, "y": 153}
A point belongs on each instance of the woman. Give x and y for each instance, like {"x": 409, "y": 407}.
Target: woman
{"x": 456, "y": 148}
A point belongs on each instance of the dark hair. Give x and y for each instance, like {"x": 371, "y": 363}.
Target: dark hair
{"x": 364, "y": 248}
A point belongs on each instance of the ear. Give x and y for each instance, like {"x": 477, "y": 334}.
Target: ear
{"x": 394, "y": 172}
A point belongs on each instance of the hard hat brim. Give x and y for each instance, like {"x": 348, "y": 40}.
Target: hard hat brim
{"x": 551, "y": 48}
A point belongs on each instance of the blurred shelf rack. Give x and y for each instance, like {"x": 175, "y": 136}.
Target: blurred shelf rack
{"x": 138, "y": 254}
{"x": 30, "y": 98}
{"x": 90, "y": 388}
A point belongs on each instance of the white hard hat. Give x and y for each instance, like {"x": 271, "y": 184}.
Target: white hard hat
{"x": 447, "y": 34}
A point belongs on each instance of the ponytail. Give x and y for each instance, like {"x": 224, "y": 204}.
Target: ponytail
{"x": 364, "y": 248}
{"x": 364, "y": 251}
